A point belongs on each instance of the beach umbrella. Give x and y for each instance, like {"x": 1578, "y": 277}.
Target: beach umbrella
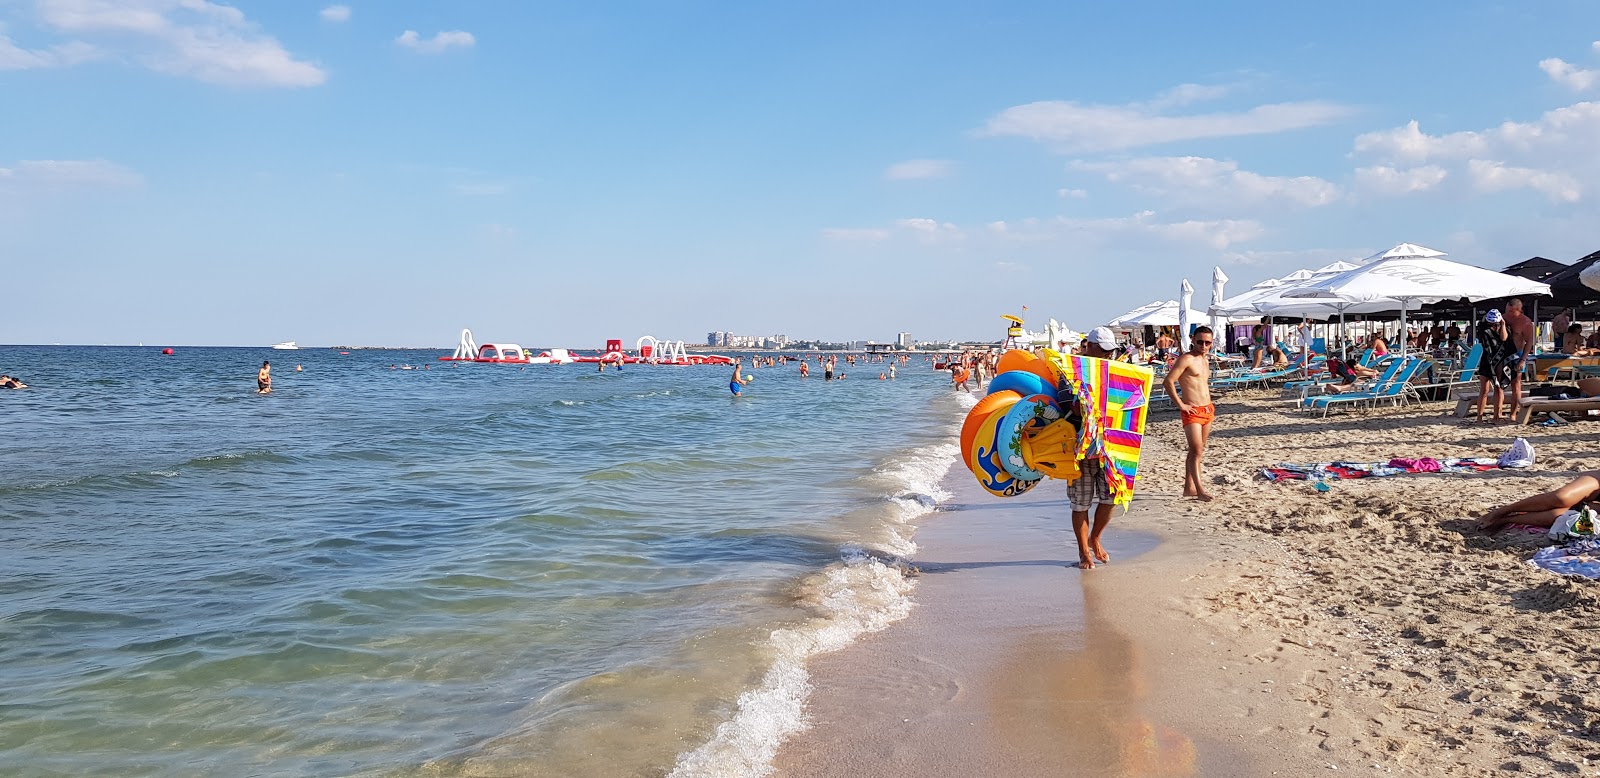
{"x": 1184, "y": 314}
{"x": 1169, "y": 314}
{"x": 1590, "y": 276}
{"x": 1219, "y": 280}
{"x": 1243, "y": 302}
{"x": 1408, "y": 275}
{"x": 1146, "y": 308}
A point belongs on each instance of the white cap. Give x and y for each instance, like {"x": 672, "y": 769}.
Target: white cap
{"x": 1104, "y": 338}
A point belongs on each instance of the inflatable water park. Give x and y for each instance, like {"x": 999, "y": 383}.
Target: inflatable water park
{"x": 646, "y": 351}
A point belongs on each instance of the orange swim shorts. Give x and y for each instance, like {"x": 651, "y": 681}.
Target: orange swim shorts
{"x": 1200, "y": 414}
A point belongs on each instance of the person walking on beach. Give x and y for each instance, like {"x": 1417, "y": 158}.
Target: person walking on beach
{"x": 1192, "y": 374}
{"x": 1090, "y": 490}
{"x": 264, "y": 378}
{"x": 738, "y": 381}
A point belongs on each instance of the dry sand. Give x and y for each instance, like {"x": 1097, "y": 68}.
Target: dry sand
{"x": 1275, "y": 631}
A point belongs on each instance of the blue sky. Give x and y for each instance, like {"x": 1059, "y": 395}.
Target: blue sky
{"x": 191, "y": 172}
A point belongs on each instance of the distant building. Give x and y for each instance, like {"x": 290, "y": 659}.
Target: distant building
{"x": 904, "y": 340}
{"x": 715, "y": 338}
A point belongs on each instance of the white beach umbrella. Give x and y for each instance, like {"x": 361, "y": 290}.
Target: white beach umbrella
{"x": 1146, "y": 308}
{"x": 1184, "y": 314}
{"x": 1219, "y": 280}
{"x": 1241, "y": 303}
{"x": 1170, "y": 314}
{"x": 1408, "y": 275}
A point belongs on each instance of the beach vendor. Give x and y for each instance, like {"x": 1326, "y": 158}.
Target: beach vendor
{"x": 1090, "y": 490}
{"x": 1192, "y": 375}
{"x": 264, "y": 378}
{"x": 738, "y": 381}
{"x": 1542, "y": 510}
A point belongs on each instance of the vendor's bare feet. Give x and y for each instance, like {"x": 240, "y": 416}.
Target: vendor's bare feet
{"x": 1099, "y": 551}
{"x": 1203, "y": 496}
{"x": 1085, "y": 561}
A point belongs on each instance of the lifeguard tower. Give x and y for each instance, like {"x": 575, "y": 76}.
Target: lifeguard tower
{"x": 1014, "y": 337}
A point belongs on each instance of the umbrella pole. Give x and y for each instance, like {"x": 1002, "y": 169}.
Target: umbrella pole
{"x": 1404, "y": 334}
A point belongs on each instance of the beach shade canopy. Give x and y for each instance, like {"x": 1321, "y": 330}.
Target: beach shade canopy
{"x": 1535, "y": 269}
{"x": 1568, "y": 287}
{"x": 1143, "y": 309}
{"x": 1169, "y": 314}
{"x": 1409, "y": 275}
{"x": 1244, "y": 301}
{"x": 1184, "y": 314}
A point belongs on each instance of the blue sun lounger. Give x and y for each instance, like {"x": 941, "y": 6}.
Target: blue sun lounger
{"x": 1393, "y": 386}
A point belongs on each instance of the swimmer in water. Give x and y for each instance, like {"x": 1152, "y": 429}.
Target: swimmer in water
{"x": 264, "y": 378}
{"x": 738, "y": 381}
{"x": 7, "y": 382}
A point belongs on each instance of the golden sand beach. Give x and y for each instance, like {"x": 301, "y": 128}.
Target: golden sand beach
{"x": 1279, "y": 630}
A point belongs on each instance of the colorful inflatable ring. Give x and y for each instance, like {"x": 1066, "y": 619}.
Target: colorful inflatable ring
{"x": 1022, "y": 382}
{"x": 1035, "y": 411}
{"x": 985, "y": 461}
{"x": 979, "y": 412}
{"x": 1028, "y": 362}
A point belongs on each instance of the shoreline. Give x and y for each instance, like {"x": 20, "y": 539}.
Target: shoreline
{"x": 1277, "y": 630}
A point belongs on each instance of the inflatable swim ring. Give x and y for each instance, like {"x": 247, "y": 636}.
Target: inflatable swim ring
{"x": 975, "y": 417}
{"x": 1021, "y": 382}
{"x": 985, "y": 464}
{"x": 1030, "y": 412}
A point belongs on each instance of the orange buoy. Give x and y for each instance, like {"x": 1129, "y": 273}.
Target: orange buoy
{"x": 166, "y": 352}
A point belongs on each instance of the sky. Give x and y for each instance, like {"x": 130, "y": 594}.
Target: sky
{"x": 555, "y": 174}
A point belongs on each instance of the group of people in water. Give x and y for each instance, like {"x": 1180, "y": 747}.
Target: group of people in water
{"x": 9, "y": 382}
{"x": 831, "y": 366}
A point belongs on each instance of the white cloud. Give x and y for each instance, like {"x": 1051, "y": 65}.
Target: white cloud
{"x": 1077, "y": 127}
{"x": 1072, "y": 194}
{"x": 919, "y": 168}
{"x": 440, "y": 42}
{"x": 1491, "y": 176}
{"x": 1569, "y": 75}
{"x": 335, "y": 13}
{"x": 48, "y": 175}
{"x": 1187, "y": 94}
{"x": 190, "y": 38}
{"x": 14, "y": 57}
{"x": 1386, "y": 180}
{"x": 1550, "y": 155}
{"x": 1205, "y": 180}
{"x": 930, "y": 230}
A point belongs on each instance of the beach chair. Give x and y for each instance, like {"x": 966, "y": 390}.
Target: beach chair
{"x": 1262, "y": 377}
{"x": 1311, "y": 383}
{"x": 1541, "y": 405}
{"x": 1462, "y": 375}
{"x": 1393, "y": 386}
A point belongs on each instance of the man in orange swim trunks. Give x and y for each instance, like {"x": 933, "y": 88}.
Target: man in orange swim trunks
{"x": 1188, "y": 384}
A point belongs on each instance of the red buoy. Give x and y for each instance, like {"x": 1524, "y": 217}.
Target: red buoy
{"x": 167, "y": 351}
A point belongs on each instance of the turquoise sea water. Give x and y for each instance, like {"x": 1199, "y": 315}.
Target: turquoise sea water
{"x": 476, "y": 570}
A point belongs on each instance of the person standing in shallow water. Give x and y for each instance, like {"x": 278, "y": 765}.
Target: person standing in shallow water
{"x": 1192, "y": 374}
{"x": 264, "y": 378}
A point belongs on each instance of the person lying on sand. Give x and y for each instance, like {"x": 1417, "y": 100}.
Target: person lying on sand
{"x": 1542, "y": 510}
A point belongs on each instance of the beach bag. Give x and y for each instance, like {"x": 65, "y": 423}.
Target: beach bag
{"x": 1574, "y": 524}
{"x": 1519, "y": 455}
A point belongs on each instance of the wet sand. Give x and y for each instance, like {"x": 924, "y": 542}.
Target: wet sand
{"x": 1369, "y": 630}
{"x": 1015, "y": 662}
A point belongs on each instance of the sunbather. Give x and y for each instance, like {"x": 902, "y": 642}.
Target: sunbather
{"x": 1542, "y": 510}
{"x": 1345, "y": 375}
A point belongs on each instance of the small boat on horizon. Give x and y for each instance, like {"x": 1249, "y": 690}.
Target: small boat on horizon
{"x": 287, "y": 345}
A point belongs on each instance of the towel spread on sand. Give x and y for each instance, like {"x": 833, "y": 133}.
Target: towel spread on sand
{"x": 1580, "y": 557}
{"x": 1338, "y": 471}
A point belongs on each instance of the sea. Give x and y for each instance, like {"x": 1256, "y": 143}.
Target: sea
{"x": 396, "y": 566}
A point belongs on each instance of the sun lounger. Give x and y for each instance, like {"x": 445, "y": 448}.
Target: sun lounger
{"x": 1466, "y": 401}
{"x": 1541, "y": 405}
{"x": 1393, "y": 386}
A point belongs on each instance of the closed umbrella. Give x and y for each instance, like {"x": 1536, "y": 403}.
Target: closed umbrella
{"x": 1183, "y": 314}
{"x": 1219, "y": 280}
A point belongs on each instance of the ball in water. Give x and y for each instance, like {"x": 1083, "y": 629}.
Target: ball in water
{"x": 749, "y": 378}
